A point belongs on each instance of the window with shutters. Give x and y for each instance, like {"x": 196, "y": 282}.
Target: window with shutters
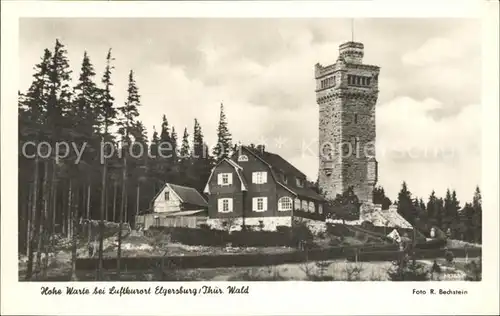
{"x": 297, "y": 204}
{"x": 259, "y": 177}
{"x": 285, "y": 204}
{"x": 225, "y": 205}
{"x": 311, "y": 207}
{"x": 225, "y": 179}
{"x": 259, "y": 204}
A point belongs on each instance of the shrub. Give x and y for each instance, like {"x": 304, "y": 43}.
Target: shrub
{"x": 301, "y": 233}
{"x": 474, "y": 271}
{"x": 408, "y": 270}
{"x": 367, "y": 225}
{"x": 353, "y": 273}
{"x": 448, "y": 255}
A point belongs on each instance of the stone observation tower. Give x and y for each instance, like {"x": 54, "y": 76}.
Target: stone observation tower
{"x": 346, "y": 93}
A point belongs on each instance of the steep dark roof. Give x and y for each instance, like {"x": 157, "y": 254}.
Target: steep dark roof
{"x": 278, "y": 164}
{"x": 188, "y": 195}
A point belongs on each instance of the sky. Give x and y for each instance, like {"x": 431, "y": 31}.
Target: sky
{"x": 428, "y": 112}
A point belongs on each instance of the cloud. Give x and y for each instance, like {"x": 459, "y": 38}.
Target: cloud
{"x": 263, "y": 72}
{"x": 433, "y": 52}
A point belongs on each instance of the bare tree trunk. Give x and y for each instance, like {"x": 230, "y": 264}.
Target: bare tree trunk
{"x": 54, "y": 201}
{"x": 101, "y": 222}
{"x": 115, "y": 187}
{"x": 69, "y": 212}
{"x": 43, "y": 218}
{"x": 29, "y": 219}
{"x": 88, "y": 213}
{"x": 122, "y": 211}
{"x": 106, "y": 202}
{"x": 33, "y": 225}
{"x": 74, "y": 234}
{"x": 49, "y": 185}
{"x": 138, "y": 196}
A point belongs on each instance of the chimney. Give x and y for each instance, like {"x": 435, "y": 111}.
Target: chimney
{"x": 261, "y": 149}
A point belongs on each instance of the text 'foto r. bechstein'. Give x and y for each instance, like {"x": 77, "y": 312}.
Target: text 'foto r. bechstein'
{"x": 145, "y": 174}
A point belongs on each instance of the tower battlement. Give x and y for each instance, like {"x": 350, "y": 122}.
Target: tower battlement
{"x": 352, "y": 52}
{"x": 346, "y": 93}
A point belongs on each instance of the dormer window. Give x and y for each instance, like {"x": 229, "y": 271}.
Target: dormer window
{"x": 285, "y": 179}
{"x": 299, "y": 182}
{"x": 243, "y": 158}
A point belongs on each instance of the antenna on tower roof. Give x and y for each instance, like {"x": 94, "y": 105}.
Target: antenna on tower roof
{"x": 352, "y": 30}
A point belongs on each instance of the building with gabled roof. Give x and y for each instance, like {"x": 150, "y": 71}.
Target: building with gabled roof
{"x": 261, "y": 189}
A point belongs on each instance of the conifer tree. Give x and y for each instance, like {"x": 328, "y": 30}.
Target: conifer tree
{"x": 223, "y": 147}
{"x": 186, "y": 176}
{"x": 379, "y": 197}
{"x": 105, "y": 118}
{"x": 129, "y": 113}
{"x": 478, "y": 215}
{"x": 185, "y": 153}
{"x": 202, "y": 162}
{"x": 31, "y": 126}
{"x": 175, "y": 146}
{"x": 405, "y": 205}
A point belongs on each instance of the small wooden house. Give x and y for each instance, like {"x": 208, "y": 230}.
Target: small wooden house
{"x": 175, "y": 205}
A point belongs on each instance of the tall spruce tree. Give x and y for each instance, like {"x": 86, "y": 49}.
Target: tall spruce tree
{"x": 478, "y": 215}
{"x": 31, "y": 125}
{"x": 379, "y": 197}
{"x": 202, "y": 162}
{"x": 186, "y": 176}
{"x": 106, "y": 116}
{"x": 175, "y": 146}
{"x": 128, "y": 117}
{"x": 405, "y": 205}
{"x": 223, "y": 147}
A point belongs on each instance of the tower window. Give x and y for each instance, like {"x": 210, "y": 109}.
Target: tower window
{"x": 349, "y": 79}
{"x": 363, "y": 81}
{"x": 368, "y": 81}
{"x": 358, "y": 81}
{"x": 355, "y": 118}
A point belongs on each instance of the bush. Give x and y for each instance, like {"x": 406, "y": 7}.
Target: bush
{"x": 474, "y": 271}
{"x": 407, "y": 269}
{"x": 448, "y": 255}
{"x": 301, "y": 233}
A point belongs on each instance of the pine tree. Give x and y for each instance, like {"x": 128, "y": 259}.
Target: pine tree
{"x": 175, "y": 147}
{"x": 379, "y": 197}
{"x": 478, "y": 215}
{"x": 129, "y": 113}
{"x": 105, "y": 119}
{"x": 185, "y": 152}
{"x": 186, "y": 162}
{"x": 202, "y": 162}
{"x": 432, "y": 208}
{"x": 86, "y": 102}
{"x": 31, "y": 127}
{"x": 405, "y": 205}
{"x": 223, "y": 146}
